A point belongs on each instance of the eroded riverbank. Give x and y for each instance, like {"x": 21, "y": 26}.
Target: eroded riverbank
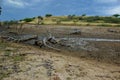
{"x": 91, "y": 56}
{"x": 24, "y": 62}
{"x": 103, "y": 47}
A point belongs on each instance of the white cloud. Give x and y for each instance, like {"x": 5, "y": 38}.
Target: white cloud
{"x": 113, "y": 10}
{"x": 107, "y": 1}
{"x": 109, "y": 10}
{"x": 23, "y": 3}
{"x": 16, "y": 3}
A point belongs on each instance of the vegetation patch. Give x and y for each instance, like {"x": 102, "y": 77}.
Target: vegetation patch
{"x": 76, "y": 20}
{"x": 9, "y": 59}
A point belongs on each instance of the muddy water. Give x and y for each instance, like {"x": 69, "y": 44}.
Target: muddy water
{"x": 85, "y": 47}
{"x": 71, "y": 40}
{"x": 92, "y": 39}
{"x": 74, "y": 43}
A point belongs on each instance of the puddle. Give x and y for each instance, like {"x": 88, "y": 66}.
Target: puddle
{"x": 74, "y": 43}
{"x": 83, "y": 43}
{"x": 92, "y": 39}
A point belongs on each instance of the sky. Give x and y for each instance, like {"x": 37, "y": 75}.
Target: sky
{"x": 19, "y": 9}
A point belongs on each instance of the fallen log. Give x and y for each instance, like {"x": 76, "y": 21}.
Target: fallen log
{"x": 52, "y": 40}
{"x": 45, "y": 44}
{"x": 39, "y": 43}
{"x": 8, "y": 38}
{"x": 28, "y": 39}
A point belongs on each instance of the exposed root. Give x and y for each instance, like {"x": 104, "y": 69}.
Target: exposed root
{"x": 45, "y": 43}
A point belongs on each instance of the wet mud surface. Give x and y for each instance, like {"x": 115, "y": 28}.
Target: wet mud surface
{"x": 82, "y": 56}
{"x": 94, "y": 42}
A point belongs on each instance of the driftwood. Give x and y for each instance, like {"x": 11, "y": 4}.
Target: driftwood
{"x": 8, "y": 38}
{"x": 44, "y": 42}
{"x": 39, "y": 43}
{"x": 28, "y": 39}
{"x": 52, "y": 40}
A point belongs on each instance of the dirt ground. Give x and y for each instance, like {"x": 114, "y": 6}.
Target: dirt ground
{"x": 41, "y": 64}
{"x": 65, "y": 31}
{"x": 94, "y": 61}
{"x": 102, "y": 50}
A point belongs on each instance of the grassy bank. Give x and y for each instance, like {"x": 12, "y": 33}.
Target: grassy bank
{"x": 71, "y": 20}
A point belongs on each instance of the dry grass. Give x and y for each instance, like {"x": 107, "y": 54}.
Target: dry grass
{"x": 39, "y": 64}
{"x": 53, "y": 21}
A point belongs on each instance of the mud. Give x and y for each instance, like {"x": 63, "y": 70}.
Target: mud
{"x": 82, "y": 57}
{"x": 93, "y": 42}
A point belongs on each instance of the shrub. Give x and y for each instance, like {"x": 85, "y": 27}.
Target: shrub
{"x": 48, "y": 15}
{"x": 92, "y": 18}
{"x": 110, "y": 19}
{"x": 70, "y": 17}
{"x": 42, "y": 23}
{"x": 28, "y": 19}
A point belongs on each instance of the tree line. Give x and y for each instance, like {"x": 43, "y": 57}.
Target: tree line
{"x": 106, "y": 19}
{"x": 84, "y": 18}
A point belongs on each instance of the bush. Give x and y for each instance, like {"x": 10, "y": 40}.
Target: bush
{"x": 40, "y": 17}
{"x": 42, "y": 23}
{"x": 116, "y": 15}
{"x": 48, "y": 15}
{"x": 28, "y": 19}
{"x": 111, "y": 20}
{"x": 71, "y": 17}
{"x": 92, "y": 18}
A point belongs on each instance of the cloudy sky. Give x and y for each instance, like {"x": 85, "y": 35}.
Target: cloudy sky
{"x": 18, "y": 9}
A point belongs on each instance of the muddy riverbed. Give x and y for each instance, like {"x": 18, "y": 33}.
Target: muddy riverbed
{"x": 91, "y": 56}
{"x": 100, "y": 43}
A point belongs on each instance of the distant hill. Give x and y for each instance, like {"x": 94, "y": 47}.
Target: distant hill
{"x": 82, "y": 20}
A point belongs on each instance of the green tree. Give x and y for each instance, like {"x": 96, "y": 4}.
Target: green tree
{"x": 40, "y": 18}
{"x": 83, "y": 15}
{"x": 116, "y": 15}
{"x": 70, "y": 17}
{"x": 111, "y": 20}
{"x": 48, "y": 15}
{"x": 28, "y": 19}
{"x": 92, "y": 18}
